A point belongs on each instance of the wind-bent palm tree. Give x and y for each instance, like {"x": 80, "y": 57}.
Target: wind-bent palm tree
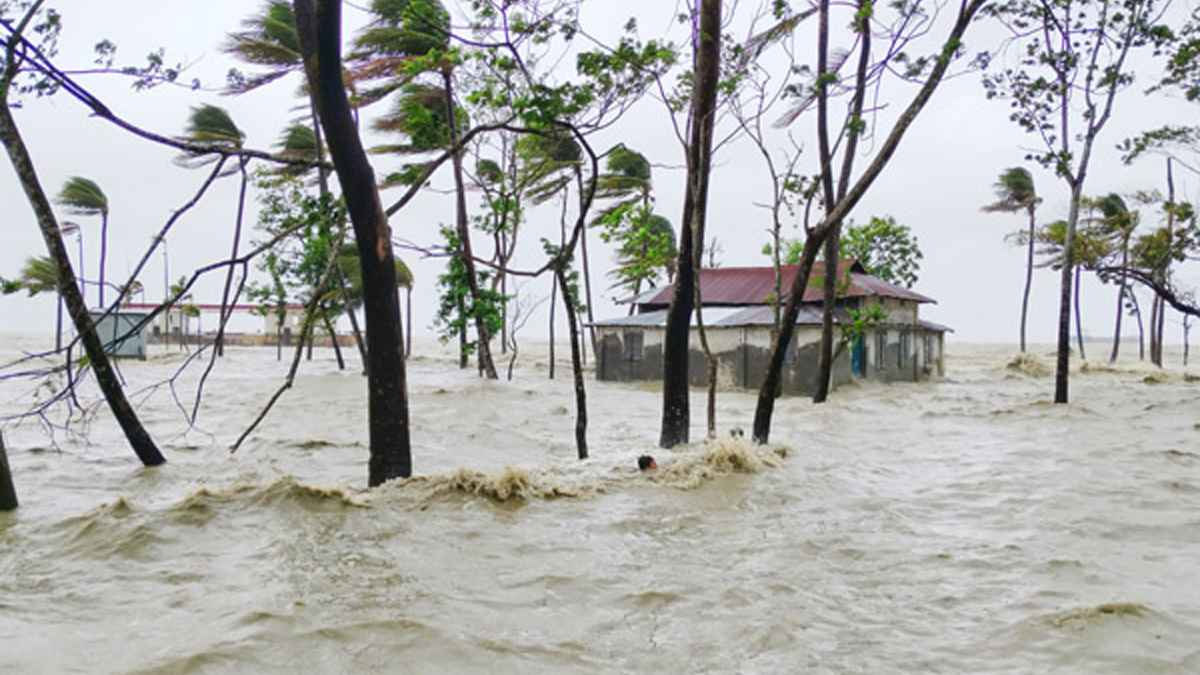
{"x": 1015, "y": 192}
{"x": 348, "y": 266}
{"x": 269, "y": 40}
{"x": 404, "y": 279}
{"x": 211, "y": 125}
{"x": 1119, "y": 223}
{"x": 82, "y": 197}
{"x": 38, "y": 275}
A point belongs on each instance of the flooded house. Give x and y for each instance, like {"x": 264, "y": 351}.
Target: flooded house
{"x": 739, "y": 318}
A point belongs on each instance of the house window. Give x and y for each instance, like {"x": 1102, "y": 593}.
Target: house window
{"x": 880, "y": 349}
{"x": 634, "y": 345}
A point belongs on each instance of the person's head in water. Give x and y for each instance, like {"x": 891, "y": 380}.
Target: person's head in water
{"x": 646, "y": 462}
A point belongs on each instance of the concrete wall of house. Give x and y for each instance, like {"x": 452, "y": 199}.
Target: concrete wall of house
{"x": 742, "y": 357}
{"x": 902, "y": 353}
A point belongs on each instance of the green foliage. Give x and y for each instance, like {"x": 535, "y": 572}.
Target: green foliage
{"x": 38, "y": 275}
{"x": 1015, "y": 191}
{"x": 297, "y": 263}
{"x": 645, "y": 244}
{"x": 268, "y": 39}
{"x": 456, "y": 311}
{"x": 859, "y": 320}
{"x": 886, "y": 248}
{"x": 83, "y": 197}
{"x": 406, "y": 28}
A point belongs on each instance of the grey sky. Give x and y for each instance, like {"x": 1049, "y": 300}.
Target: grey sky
{"x": 941, "y": 175}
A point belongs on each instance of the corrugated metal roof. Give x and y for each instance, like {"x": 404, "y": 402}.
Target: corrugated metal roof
{"x": 733, "y": 317}
{"x": 755, "y": 285}
{"x": 721, "y": 317}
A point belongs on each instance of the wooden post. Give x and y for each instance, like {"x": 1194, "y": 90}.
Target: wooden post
{"x": 8, "y": 494}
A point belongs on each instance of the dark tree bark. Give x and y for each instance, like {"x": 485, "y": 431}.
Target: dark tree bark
{"x": 829, "y": 300}
{"x": 1154, "y": 302}
{"x": 319, "y": 24}
{"x": 483, "y": 339}
{"x": 1121, "y": 290}
{"x": 463, "y": 357}
{"x": 553, "y": 293}
{"x": 576, "y": 363}
{"x": 676, "y": 416}
{"x": 337, "y": 349}
{"x": 1028, "y": 274}
{"x": 826, "y": 355}
{"x": 68, "y": 289}
{"x": 8, "y": 492}
{"x": 1137, "y": 313}
{"x": 103, "y": 253}
{"x": 765, "y": 408}
{"x": 1078, "y": 317}
{"x": 1062, "y": 369}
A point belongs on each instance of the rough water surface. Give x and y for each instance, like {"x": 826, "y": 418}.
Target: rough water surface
{"x": 967, "y": 526}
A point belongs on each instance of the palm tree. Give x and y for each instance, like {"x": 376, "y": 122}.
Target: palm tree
{"x": 83, "y": 197}
{"x": 269, "y": 39}
{"x": 1015, "y": 192}
{"x": 404, "y": 279}
{"x": 211, "y": 125}
{"x": 1119, "y": 223}
{"x": 38, "y": 275}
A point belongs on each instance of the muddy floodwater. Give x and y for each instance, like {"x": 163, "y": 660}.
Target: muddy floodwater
{"x": 965, "y": 526}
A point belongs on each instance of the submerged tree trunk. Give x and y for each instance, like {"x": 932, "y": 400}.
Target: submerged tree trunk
{"x": 319, "y": 24}
{"x": 1028, "y": 276}
{"x": 8, "y": 492}
{"x": 553, "y": 293}
{"x": 464, "y": 234}
{"x": 576, "y": 364}
{"x": 1062, "y": 367}
{"x": 68, "y": 289}
{"x": 337, "y": 349}
{"x": 825, "y": 357}
{"x": 1121, "y": 290}
{"x": 676, "y": 415}
{"x": 1078, "y": 319}
{"x": 1154, "y": 330}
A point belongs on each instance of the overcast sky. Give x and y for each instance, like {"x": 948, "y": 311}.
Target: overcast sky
{"x": 939, "y": 178}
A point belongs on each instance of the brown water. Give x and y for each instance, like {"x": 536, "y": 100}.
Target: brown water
{"x": 965, "y": 526}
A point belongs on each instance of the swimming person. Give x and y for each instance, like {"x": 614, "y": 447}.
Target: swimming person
{"x": 646, "y": 463}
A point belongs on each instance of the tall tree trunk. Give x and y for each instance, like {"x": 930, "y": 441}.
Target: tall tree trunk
{"x": 337, "y": 349}
{"x": 464, "y": 358}
{"x": 1116, "y": 349}
{"x": 106, "y": 378}
{"x": 1028, "y": 276}
{"x": 464, "y": 235}
{"x": 1154, "y": 330}
{"x": 359, "y": 342}
{"x": 1062, "y": 372}
{"x": 1162, "y": 313}
{"x": 553, "y": 292}
{"x": 8, "y": 492}
{"x": 676, "y": 415}
{"x": 576, "y": 363}
{"x": 103, "y": 253}
{"x": 1078, "y": 319}
{"x": 1137, "y": 313}
{"x": 319, "y": 24}
{"x": 58, "y": 326}
{"x": 1187, "y": 328}
{"x": 825, "y": 357}
{"x": 587, "y": 275}
{"x": 771, "y": 382}
{"x": 227, "y": 311}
